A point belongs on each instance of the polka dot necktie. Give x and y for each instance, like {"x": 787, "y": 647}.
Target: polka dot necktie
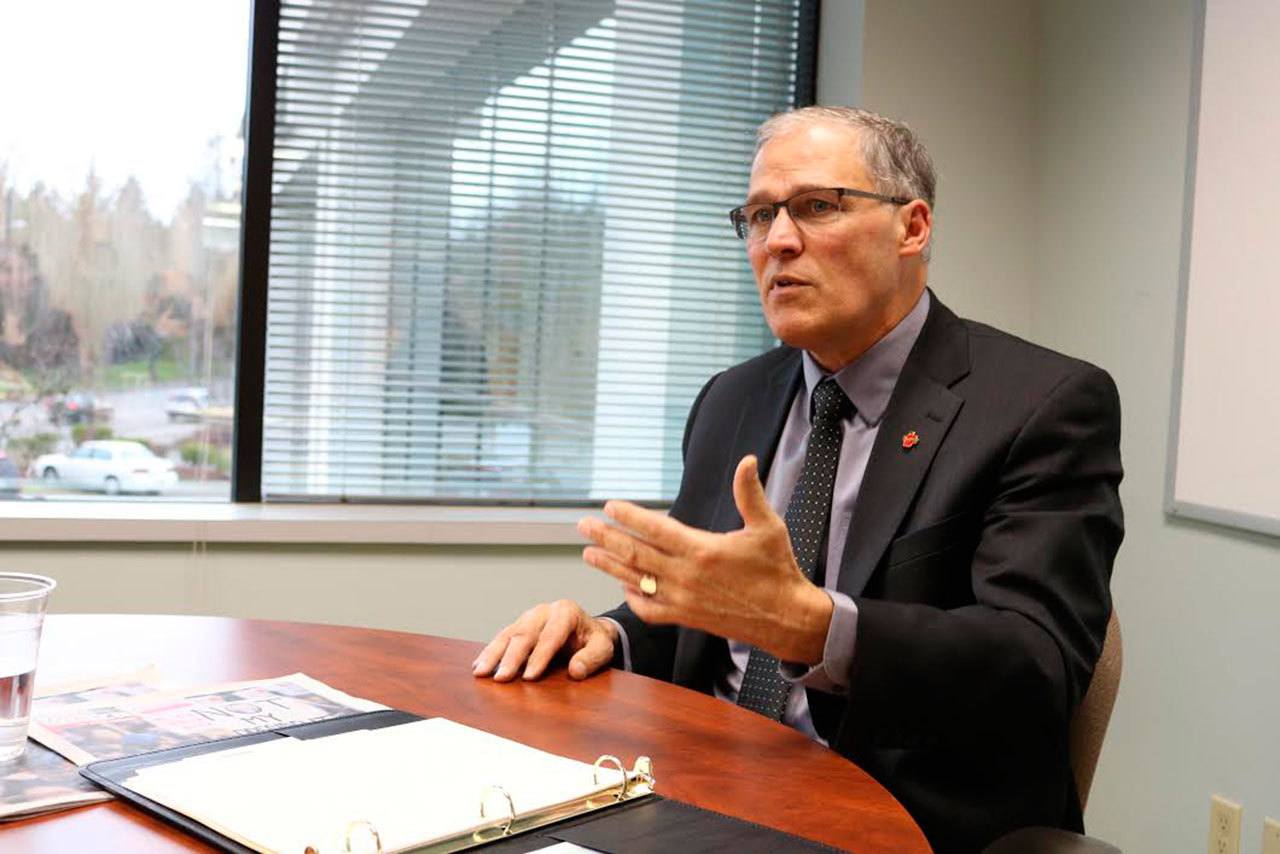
{"x": 763, "y": 688}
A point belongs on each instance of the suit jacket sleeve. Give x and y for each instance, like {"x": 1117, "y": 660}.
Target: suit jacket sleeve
{"x": 1015, "y": 662}
{"x": 653, "y": 648}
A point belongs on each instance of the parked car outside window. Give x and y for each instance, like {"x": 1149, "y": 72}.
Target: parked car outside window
{"x": 111, "y": 465}
{"x": 187, "y": 404}
{"x": 78, "y": 408}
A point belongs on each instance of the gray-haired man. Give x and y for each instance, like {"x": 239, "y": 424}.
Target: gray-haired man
{"x": 895, "y": 532}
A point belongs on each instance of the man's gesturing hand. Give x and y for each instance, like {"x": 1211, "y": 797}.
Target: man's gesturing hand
{"x": 743, "y": 585}
{"x": 541, "y": 632}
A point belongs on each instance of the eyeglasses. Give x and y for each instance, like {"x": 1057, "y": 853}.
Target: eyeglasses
{"x": 812, "y": 207}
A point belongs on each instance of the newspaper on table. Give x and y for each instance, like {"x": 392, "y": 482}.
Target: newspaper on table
{"x": 86, "y": 730}
{"x": 42, "y": 781}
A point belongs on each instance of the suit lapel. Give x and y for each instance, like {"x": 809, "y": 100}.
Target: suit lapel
{"x": 923, "y": 404}
{"x": 760, "y": 426}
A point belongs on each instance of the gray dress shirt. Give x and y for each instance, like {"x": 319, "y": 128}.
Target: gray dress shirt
{"x": 868, "y": 383}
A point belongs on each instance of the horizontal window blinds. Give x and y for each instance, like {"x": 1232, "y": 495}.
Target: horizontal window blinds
{"x": 501, "y": 264}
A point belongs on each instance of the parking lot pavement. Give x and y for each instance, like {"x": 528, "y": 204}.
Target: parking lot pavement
{"x": 136, "y": 414}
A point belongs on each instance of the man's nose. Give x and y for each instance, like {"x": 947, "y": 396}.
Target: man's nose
{"x": 783, "y": 237}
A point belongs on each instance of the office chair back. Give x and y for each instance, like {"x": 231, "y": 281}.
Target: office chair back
{"x": 1088, "y": 728}
{"x": 1089, "y": 725}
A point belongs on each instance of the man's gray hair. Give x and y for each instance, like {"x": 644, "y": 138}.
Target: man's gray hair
{"x": 894, "y": 157}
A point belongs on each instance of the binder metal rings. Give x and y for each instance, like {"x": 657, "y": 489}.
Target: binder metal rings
{"x": 644, "y": 771}
{"x": 511, "y": 807}
{"x": 616, "y": 763}
{"x": 373, "y": 832}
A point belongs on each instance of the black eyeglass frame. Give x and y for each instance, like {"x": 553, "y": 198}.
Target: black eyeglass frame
{"x": 742, "y": 227}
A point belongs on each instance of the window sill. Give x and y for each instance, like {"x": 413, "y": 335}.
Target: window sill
{"x": 172, "y": 522}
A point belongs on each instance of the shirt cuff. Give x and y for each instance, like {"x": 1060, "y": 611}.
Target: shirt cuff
{"x": 625, "y": 643}
{"x": 832, "y": 673}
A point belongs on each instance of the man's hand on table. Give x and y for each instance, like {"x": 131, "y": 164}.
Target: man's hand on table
{"x": 528, "y": 645}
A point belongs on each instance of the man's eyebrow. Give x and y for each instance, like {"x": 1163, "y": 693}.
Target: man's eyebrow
{"x": 758, "y": 197}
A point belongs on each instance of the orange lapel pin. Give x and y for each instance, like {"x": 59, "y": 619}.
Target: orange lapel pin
{"x": 910, "y": 440}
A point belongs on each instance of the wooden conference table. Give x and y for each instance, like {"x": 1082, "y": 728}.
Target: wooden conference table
{"x": 705, "y": 751}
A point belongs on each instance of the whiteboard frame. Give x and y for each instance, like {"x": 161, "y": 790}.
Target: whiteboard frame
{"x": 1172, "y": 506}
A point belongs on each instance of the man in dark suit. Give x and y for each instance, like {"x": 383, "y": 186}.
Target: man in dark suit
{"x": 921, "y": 579}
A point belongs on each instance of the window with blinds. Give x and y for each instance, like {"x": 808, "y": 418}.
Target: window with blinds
{"x": 501, "y": 264}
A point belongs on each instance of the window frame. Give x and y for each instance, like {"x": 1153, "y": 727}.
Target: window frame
{"x": 244, "y": 517}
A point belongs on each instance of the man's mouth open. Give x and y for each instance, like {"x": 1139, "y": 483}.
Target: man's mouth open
{"x": 787, "y": 282}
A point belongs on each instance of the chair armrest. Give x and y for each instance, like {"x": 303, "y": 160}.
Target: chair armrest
{"x": 1048, "y": 840}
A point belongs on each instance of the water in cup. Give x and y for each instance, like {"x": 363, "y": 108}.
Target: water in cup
{"x": 18, "y": 646}
{"x": 22, "y": 604}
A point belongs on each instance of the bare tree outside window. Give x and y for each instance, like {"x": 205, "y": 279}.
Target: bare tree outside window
{"x": 119, "y": 245}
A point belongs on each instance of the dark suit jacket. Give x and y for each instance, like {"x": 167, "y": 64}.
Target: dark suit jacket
{"x": 979, "y": 560}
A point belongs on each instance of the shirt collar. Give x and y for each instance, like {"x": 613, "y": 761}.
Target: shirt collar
{"x": 868, "y": 381}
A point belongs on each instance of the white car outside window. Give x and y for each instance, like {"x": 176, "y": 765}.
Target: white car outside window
{"x": 110, "y": 465}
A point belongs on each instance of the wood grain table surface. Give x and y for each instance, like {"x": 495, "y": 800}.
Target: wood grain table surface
{"x": 705, "y": 751}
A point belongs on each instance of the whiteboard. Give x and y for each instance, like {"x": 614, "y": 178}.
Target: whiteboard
{"x": 1225, "y": 437}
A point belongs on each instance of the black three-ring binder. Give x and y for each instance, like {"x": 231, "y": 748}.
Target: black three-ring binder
{"x": 631, "y": 820}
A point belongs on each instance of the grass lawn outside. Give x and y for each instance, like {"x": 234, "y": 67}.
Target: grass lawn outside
{"x": 135, "y": 374}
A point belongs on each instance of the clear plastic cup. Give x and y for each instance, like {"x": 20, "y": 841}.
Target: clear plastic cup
{"x": 23, "y": 599}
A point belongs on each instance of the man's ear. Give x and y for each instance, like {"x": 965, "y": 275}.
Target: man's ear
{"x": 916, "y": 220}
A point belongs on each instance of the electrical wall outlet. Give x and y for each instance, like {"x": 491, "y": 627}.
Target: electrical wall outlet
{"x": 1270, "y": 836}
{"x": 1224, "y": 826}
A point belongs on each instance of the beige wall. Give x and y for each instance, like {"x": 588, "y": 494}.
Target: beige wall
{"x": 465, "y": 592}
{"x": 962, "y": 74}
